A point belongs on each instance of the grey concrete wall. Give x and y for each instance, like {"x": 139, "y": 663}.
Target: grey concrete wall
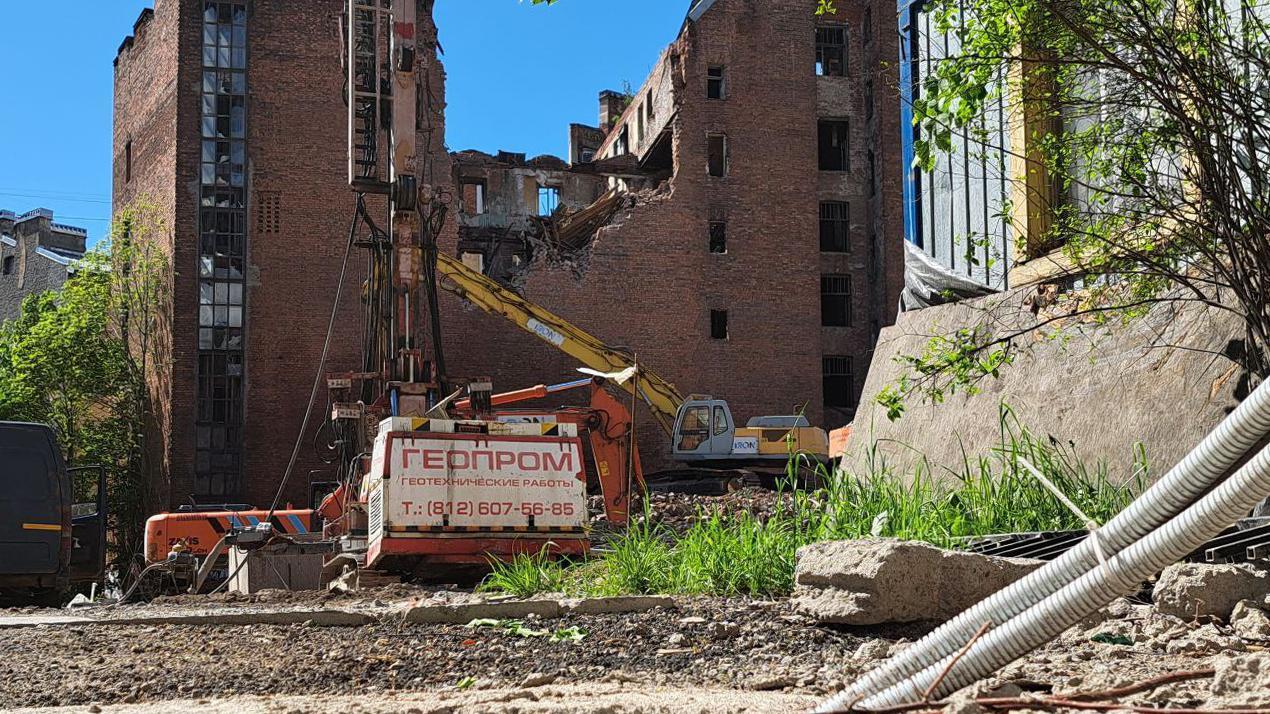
{"x": 1160, "y": 380}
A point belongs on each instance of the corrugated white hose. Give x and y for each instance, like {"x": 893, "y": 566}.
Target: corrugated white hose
{"x": 1123, "y": 573}
{"x": 1188, "y": 480}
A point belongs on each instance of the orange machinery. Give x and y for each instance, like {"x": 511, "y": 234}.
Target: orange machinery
{"x": 606, "y": 421}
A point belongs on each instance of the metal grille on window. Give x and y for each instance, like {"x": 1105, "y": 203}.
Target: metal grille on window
{"x": 222, "y": 252}
{"x": 838, "y": 382}
{"x": 835, "y": 300}
{"x": 834, "y": 227}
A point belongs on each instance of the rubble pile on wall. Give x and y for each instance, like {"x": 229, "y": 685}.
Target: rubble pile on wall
{"x": 564, "y": 240}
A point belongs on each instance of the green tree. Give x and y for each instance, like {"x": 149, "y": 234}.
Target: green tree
{"x": 83, "y": 359}
{"x": 1153, "y": 119}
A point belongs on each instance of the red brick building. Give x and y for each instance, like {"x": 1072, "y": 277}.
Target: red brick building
{"x": 758, "y": 264}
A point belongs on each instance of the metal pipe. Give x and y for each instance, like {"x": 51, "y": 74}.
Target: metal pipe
{"x": 1122, "y": 574}
{"x": 1188, "y": 480}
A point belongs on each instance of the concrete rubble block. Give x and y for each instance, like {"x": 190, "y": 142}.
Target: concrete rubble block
{"x": 1191, "y": 590}
{"x": 1243, "y": 680}
{"x": 1250, "y": 621}
{"x": 877, "y": 581}
{"x": 461, "y": 614}
{"x": 616, "y": 605}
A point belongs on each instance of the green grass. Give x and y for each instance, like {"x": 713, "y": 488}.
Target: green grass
{"x": 741, "y": 554}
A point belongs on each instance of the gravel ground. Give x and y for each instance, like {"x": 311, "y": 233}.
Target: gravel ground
{"x": 704, "y": 655}
{"x": 567, "y": 699}
{"x": 704, "y": 643}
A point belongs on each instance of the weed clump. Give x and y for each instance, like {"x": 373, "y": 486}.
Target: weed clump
{"x": 745, "y": 555}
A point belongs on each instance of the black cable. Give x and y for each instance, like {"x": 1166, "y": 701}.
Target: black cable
{"x": 321, "y": 370}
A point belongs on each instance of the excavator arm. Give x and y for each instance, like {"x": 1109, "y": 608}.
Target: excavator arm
{"x": 662, "y": 397}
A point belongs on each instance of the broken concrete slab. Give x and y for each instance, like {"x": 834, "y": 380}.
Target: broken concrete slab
{"x": 1192, "y": 590}
{"x": 461, "y": 614}
{"x": 317, "y": 618}
{"x": 877, "y": 581}
{"x": 45, "y": 620}
{"x": 1244, "y": 679}
{"x": 620, "y": 605}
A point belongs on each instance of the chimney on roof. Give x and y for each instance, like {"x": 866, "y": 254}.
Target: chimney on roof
{"x": 612, "y": 104}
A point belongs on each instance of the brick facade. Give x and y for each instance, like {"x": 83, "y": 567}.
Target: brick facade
{"x": 651, "y": 281}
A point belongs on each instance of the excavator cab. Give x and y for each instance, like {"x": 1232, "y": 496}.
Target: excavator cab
{"x": 704, "y": 430}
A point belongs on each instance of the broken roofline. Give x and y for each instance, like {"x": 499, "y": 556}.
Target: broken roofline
{"x": 658, "y": 69}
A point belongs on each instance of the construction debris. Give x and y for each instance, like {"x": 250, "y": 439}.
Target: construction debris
{"x": 1193, "y": 590}
{"x": 872, "y": 582}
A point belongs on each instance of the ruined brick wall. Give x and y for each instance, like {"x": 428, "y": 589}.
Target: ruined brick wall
{"x": 653, "y": 281}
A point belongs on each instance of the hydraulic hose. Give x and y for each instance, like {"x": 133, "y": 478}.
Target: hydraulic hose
{"x": 1193, "y": 476}
{"x": 1122, "y": 574}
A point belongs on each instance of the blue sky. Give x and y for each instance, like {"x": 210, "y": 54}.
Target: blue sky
{"x": 518, "y": 75}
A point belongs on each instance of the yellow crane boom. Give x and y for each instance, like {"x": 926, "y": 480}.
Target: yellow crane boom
{"x": 660, "y": 395}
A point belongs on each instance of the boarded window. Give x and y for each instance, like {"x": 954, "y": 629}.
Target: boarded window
{"x": 719, "y": 324}
{"x": 835, "y": 222}
{"x": 839, "y": 382}
{"x": 718, "y": 237}
{"x": 473, "y": 198}
{"x": 834, "y": 145}
{"x": 716, "y": 83}
{"x": 548, "y": 200}
{"x": 831, "y": 51}
{"x": 835, "y": 300}
{"x": 718, "y": 154}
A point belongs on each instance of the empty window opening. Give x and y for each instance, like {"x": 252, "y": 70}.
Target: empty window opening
{"x": 718, "y": 237}
{"x": 586, "y": 156}
{"x": 474, "y": 198}
{"x": 835, "y": 220}
{"x": 835, "y": 300}
{"x": 834, "y": 145}
{"x": 648, "y": 103}
{"x": 868, "y": 24}
{"x": 831, "y": 51}
{"x": 719, "y": 324}
{"x": 623, "y": 143}
{"x": 8, "y": 265}
{"x": 548, "y": 200}
{"x": 127, "y": 161}
{"x": 839, "y": 382}
{"x": 718, "y": 154}
{"x": 868, "y": 99}
{"x": 639, "y": 125}
{"x": 716, "y": 83}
